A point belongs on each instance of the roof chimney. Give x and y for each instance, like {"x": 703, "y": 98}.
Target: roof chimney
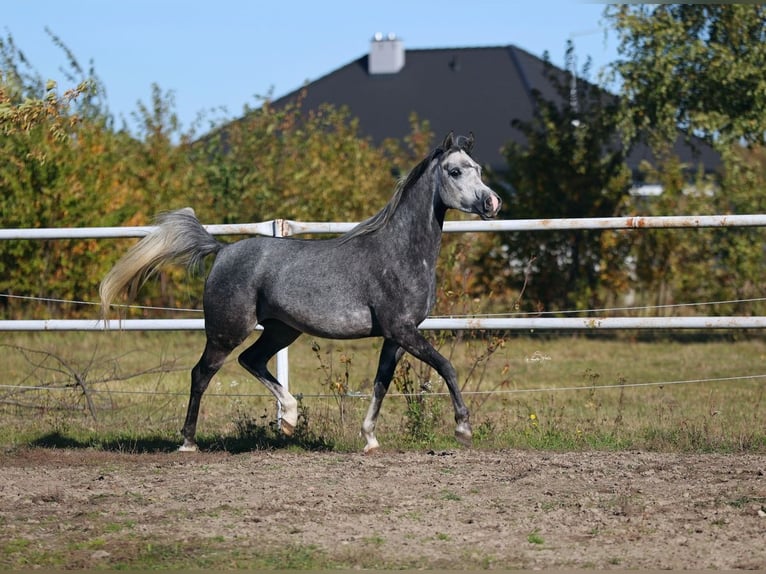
{"x": 386, "y": 54}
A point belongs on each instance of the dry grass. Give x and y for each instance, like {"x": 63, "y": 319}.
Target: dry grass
{"x": 535, "y": 391}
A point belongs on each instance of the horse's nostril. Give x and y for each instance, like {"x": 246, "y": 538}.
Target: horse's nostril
{"x": 492, "y": 203}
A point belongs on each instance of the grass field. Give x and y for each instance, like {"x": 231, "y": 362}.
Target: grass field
{"x": 128, "y": 391}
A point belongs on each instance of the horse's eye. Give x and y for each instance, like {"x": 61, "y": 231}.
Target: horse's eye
{"x": 454, "y": 172}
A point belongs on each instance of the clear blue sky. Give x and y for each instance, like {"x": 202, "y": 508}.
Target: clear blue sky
{"x": 222, "y": 54}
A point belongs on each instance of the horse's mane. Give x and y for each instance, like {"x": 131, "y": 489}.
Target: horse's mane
{"x": 381, "y": 218}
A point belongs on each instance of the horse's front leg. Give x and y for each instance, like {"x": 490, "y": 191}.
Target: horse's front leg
{"x": 417, "y": 345}
{"x": 390, "y": 355}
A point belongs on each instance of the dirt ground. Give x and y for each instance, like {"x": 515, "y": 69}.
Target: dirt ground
{"x": 461, "y": 509}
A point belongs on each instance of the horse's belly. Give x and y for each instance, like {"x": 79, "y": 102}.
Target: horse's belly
{"x": 345, "y": 324}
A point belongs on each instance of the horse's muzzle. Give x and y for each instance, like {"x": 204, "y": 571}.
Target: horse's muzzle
{"x": 491, "y": 204}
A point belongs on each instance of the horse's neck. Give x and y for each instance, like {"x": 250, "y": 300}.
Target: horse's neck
{"x": 419, "y": 218}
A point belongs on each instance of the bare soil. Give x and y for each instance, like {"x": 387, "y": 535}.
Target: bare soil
{"x": 461, "y": 509}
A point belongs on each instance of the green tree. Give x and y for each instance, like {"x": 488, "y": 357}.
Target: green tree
{"x": 697, "y": 69}
{"x": 63, "y": 165}
{"x": 693, "y": 67}
{"x": 292, "y": 163}
{"x": 672, "y": 265}
{"x": 570, "y": 166}
{"x": 49, "y": 176}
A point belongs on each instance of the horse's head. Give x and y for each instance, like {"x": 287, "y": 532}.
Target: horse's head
{"x": 462, "y": 187}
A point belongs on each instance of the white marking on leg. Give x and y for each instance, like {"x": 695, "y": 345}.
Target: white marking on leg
{"x": 372, "y": 445}
{"x": 187, "y": 446}
{"x": 289, "y": 411}
{"x": 368, "y": 427}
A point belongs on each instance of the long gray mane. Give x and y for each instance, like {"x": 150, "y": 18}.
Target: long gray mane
{"x": 381, "y": 218}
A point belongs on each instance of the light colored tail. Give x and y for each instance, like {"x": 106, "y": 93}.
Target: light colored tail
{"x": 179, "y": 238}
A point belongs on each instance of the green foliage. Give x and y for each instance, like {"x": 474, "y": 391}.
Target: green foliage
{"x": 697, "y": 67}
{"x": 570, "y": 166}
{"x": 50, "y": 181}
{"x": 681, "y": 265}
{"x": 740, "y": 251}
{"x": 534, "y": 537}
{"x": 288, "y": 163}
{"x": 63, "y": 165}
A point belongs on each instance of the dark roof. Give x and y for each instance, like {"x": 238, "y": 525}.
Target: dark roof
{"x": 456, "y": 89}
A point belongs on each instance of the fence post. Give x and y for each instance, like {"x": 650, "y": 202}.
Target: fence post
{"x": 283, "y": 366}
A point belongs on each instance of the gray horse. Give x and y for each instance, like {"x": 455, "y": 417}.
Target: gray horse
{"x": 377, "y": 280}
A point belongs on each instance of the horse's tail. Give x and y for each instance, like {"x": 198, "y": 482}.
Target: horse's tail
{"x": 179, "y": 237}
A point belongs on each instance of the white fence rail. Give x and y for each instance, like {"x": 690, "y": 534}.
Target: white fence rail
{"x": 284, "y": 228}
{"x": 433, "y": 323}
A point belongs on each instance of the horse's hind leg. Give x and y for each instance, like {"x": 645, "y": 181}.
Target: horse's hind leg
{"x": 212, "y": 359}
{"x": 389, "y": 357}
{"x": 275, "y": 336}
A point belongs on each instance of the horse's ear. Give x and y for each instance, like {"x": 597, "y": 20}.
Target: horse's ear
{"x": 465, "y": 143}
{"x": 448, "y": 141}
{"x": 469, "y": 144}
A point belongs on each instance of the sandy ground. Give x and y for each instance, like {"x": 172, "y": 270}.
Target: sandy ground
{"x": 453, "y": 509}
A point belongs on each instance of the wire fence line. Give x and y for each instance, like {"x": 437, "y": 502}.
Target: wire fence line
{"x": 365, "y": 395}
{"x": 282, "y": 227}
{"x": 634, "y": 308}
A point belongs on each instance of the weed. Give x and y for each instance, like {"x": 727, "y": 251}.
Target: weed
{"x": 447, "y": 495}
{"x": 422, "y": 414}
{"x": 620, "y": 404}
{"x": 336, "y": 382}
{"x": 119, "y": 526}
{"x": 375, "y": 540}
{"x": 92, "y": 544}
{"x": 266, "y": 434}
{"x": 534, "y": 537}
{"x": 743, "y": 501}
{"x": 16, "y": 545}
{"x": 484, "y": 432}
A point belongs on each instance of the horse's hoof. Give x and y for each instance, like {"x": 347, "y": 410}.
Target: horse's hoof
{"x": 187, "y": 447}
{"x": 465, "y": 440}
{"x": 287, "y": 428}
{"x": 371, "y": 447}
{"x": 464, "y": 435}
